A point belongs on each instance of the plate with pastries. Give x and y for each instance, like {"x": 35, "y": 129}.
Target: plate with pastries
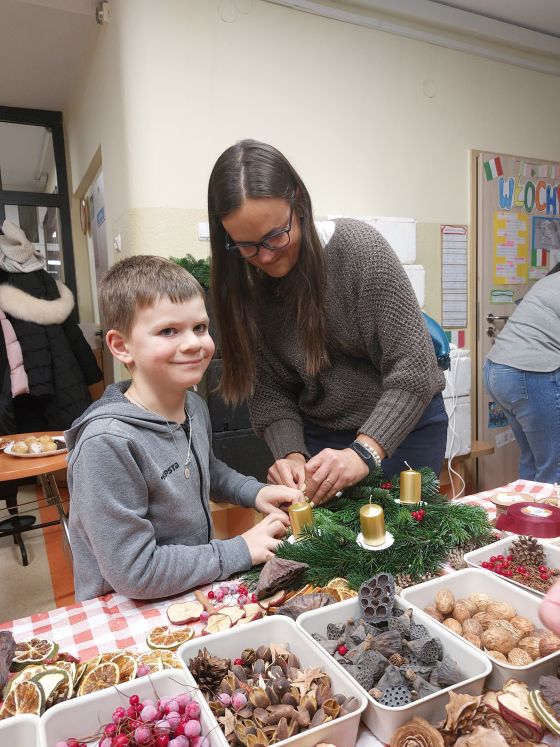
{"x": 36, "y": 446}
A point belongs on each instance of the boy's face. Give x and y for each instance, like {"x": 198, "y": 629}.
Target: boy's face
{"x": 169, "y": 344}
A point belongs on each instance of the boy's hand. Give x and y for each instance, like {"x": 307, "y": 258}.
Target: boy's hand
{"x": 264, "y": 537}
{"x": 289, "y": 471}
{"x": 276, "y": 499}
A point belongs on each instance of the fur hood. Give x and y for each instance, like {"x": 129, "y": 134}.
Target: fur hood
{"x": 21, "y": 305}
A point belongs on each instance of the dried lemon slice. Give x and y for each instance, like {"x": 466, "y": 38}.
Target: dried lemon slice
{"x": 23, "y": 676}
{"x": 149, "y": 662}
{"x": 127, "y": 666}
{"x": 169, "y": 660}
{"x": 338, "y": 583}
{"x": 25, "y": 697}
{"x": 33, "y": 651}
{"x": 161, "y": 637}
{"x": 103, "y": 676}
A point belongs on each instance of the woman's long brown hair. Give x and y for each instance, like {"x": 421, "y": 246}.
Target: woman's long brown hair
{"x": 250, "y": 169}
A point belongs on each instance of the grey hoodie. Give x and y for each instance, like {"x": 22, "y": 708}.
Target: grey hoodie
{"x": 137, "y": 525}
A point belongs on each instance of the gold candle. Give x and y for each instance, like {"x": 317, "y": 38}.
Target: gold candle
{"x": 411, "y": 483}
{"x": 301, "y": 516}
{"x": 372, "y": 523}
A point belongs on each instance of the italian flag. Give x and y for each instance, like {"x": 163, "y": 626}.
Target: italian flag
{"x": 493, "y": 168}
{"x": 539, "y": 257}
{"x": 456, "y": 336}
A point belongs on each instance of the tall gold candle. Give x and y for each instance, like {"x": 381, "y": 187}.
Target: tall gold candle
{"x": 411, "y": 484}
{"x": 301, "y": 516}
{"x": 372, "y": 523}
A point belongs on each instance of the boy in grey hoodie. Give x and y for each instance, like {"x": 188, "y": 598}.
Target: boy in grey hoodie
{"x": 141, "y": 466}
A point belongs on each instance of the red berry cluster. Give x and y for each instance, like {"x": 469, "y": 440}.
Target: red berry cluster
{"x": 418, "y": 515}
{"x": 503, "y": 566}
{"x": 387, "y": 485}
{"x": 342, "y": 650}
{"x": 232, "y": 589}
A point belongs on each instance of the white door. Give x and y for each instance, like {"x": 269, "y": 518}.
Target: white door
{"x": 506, "y": 268}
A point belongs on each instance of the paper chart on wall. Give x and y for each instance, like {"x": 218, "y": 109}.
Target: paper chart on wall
{"x": 454, "y": 290}
{"x": 511, "y": 248}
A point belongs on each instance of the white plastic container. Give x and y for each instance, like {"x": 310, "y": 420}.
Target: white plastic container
{"x": 21, "y": 731}
{"x": 383, "y": 720}
{"x": 281, "y": 630}
{"x": 476, "y": 557}
{"x": 82, "y": 717}
{"x": 470, "y": 580}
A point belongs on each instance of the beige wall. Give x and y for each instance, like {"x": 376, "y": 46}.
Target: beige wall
{"x": 169, "y": 86}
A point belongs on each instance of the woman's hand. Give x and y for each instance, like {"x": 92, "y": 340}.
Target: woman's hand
{"x": 289, "y": 471}
{"x": 276, "y": 499}
{"x": 264, "y": 537}
{"x": 332, "y": 470}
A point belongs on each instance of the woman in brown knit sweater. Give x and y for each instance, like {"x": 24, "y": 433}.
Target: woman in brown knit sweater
{"x": 320, "y": 329}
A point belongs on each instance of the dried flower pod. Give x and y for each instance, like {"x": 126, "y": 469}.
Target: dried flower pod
{"x": 530, "y": 644}
{"x": 549, "y": 645}
{"x": 497, "y": 655}
{"x": 417, "y": 733}
{"x": 278, "y": 573}
{"x": 519, "y": 658}
{"x": 523, "y": 624}
{"x": 501, "y": 610}
{"x": 474, "y": 639}
{"x": 481, "y": 737}
{"x": 498, "y": 639}
{"x": 387, "y": 643}
{"x": 472, "y": 627}
{"x": 436, "y": 614}
{"x": 264, "y": 653}
{"x": 453, "y": 625}
{"x": 444, "y": 602}
{"x": 461, "y": 611}
{"x": 480, "y": 600}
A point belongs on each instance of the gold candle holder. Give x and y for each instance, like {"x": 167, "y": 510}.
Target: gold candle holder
{"x": 372, "y": 524}
{"x": 411, "y": 485}
{"x": 301, "y": 516}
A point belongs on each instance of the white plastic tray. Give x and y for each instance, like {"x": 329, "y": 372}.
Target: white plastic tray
{"x": 476, "y": 557}
{"x": 470, "y": 580}
{"x": 83, "y": 716}
{"x": 383, "y": 720}
{"x": 279, "y": 629}
{"x": 21, "y": 731}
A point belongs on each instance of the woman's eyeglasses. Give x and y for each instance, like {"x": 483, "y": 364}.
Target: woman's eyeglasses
{"x": 274, "y": 241}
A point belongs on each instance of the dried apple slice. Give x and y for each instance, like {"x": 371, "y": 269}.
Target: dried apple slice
{"x": 273, "y": 601}
{"x": 216, "y": 623}
{"x": 520, "y": 716}
{"x": 234, "y": 612}
{"x": 253, "y": 611}
{"x": 182, "y": 613}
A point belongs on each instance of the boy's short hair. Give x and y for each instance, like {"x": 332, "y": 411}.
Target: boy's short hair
{"x": 137, "y": 283}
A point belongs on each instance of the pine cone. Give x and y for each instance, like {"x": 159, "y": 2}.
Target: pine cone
{"x": 527, "y": 551}
{"x": 208, "y": 670}
{"x": 456, "y": 558}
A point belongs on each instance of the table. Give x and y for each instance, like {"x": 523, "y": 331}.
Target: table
{"x": 42, "y": 467}
{"x": 115, "y": 622}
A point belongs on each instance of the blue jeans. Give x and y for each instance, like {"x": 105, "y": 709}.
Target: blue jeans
{"x": 423, "y": 447}
{"x": 531, "y": 403}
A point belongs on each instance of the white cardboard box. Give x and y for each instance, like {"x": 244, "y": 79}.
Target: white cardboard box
{"x": 282, "y": 630}
{"x": 382, "y": 720}
{"x": 470, "y": 580}
{"x": 459, "y": 428}
{"x": 458, "y": 376}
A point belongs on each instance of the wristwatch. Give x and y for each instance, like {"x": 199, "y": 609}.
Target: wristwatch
{"x": 367, "y": 454}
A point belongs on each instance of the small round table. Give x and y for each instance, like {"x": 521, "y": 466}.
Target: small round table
{"x": 42, "y": 467}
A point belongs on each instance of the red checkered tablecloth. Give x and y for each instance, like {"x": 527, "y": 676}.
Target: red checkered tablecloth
{"x": 113, "y": 621}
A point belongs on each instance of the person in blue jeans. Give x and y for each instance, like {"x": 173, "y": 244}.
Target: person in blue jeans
{"x": 522, "y": 374}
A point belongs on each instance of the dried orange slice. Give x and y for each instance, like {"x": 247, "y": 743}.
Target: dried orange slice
{"x": 127, "y": 666}
{"x": 169, "y": 660}
{"x": 108, "y": 656}
{"x": 161, "y": 637}
{"x": 25, "y": 697}
{"x": 149, "y": 662}
{"x": 102, "y": 676}
{"x": 33, "y": 651}
{"x": 338, "y": 583}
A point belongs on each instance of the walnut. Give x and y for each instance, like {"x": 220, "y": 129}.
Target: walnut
{"x": 453, "y": 625}
{"x": 523, "y": 624}
{"x": 498, "y": 639}
{"x": 549, "y": 645}
{"x": 501, "y": 610}
{"x": 530, "y": 644}
{"x": 436, "y": 614}
{"x": 497, "y": 655}
{"x": 474, "y": 639}
{"x": 444, "y": 602}
{"x": 470, "y": 605}
{"x": 484, "y": 618}
{"x": 480, "y": 600}
{"x": 472, "y": 627}
{"x": 519, "y": 658}
{"x": 506, "y": 625}
{"x": 461, "y": 612}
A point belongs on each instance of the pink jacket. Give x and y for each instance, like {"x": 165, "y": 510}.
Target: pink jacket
{"x": 18, "y": 377}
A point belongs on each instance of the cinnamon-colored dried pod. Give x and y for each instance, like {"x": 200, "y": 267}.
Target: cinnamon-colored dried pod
{"x": 453, "y": 625}
{"x": 549, "y": 645}
{"x": 470, "y": 604}
{"x": 501, "y": 610}
{"x": 472, "y": 627}
{"x": 474, "y": 639}
{"x": 498, "y": 639}
{"x": 445, "y": 601}
{"x": 461, "y": 611}
{"x": 484, "y": 618}
{"x": 417, "y": 733}
{"x": 480, "y": 600}
{"x": 497, "y": 655}
{"x": 519, "y": 658}
{"x": 523, "y": 624}
{"x": 530, "y": 644}
{"x": 506, "y": 625}
{"x": 436, "y": 614}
